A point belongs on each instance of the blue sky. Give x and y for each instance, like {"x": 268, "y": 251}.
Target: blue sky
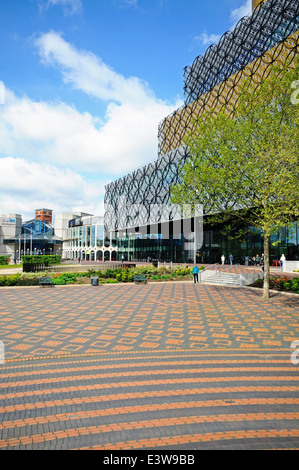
{"x": 83, "y": 87}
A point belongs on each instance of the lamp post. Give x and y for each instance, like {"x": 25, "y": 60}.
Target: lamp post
{"x": 195, "y": 231}
{"x": 19, "y": 247}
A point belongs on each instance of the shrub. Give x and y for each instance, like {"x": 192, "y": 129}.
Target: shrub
{"x": 281, "y": 284}
{"x": 58, "y": 281}
{"x": 164, "y": 270}
{"x": 65, "y": 278}
{"x": 295, "y": 285}
{"x": 4, "y": 260}
{"x": 86, "y": 274}
{"x": 109, "y": 273}
{"x": 147, "y": 270}
{"x": 42, "y": 259}
{"x": 19, "y": 280}
{"x": 91, "y": 272}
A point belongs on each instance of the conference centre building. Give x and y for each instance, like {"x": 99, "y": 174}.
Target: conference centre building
{"x": 138, "y": 210}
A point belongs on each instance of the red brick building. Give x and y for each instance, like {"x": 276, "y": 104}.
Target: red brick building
{"x": 44, "y": 214}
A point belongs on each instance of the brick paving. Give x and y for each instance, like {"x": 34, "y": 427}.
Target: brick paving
{"x": 159, "y": 366}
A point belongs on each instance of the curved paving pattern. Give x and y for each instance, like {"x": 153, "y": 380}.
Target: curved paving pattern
{"x": 156, "y": 367}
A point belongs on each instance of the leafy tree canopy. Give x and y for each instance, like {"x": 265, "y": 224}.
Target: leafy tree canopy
{"x": 246, "y": 166}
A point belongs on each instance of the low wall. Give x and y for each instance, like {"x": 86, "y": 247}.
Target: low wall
{"x": 290, "y": 266}
{"x": 78, "y": 268}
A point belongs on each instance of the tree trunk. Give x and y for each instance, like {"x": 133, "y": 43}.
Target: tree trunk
{"x": 266, "y": 293}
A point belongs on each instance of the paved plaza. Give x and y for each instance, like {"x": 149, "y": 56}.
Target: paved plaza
{"x": 157, "y": 366}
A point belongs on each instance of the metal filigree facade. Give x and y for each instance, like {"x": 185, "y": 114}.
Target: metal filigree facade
{"x": 270, "y": 35}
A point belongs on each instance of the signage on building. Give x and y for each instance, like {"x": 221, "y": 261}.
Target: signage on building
{"x": 75, "y": 222}
{"x": 7, "y": 221}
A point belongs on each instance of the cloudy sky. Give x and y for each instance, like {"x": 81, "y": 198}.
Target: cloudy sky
{"x": 84, "y": 85}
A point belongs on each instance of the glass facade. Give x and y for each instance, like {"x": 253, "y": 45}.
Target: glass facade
{"x": 85, "y": 239}
{"x": 36, "y": 238}
{"x": 180, "y": 249}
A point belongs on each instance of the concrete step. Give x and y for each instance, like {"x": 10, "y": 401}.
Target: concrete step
{"x": 222, "y": 278}
{"x": 230, "y": 279}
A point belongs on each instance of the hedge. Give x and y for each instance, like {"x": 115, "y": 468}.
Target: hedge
{"x": 4, "y": 260}
{"x": 42, "y": 259}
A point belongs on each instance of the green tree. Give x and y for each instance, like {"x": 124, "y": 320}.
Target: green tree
{"x": 245, "y": 167}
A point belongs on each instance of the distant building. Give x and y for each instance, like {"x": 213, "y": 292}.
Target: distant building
{"x": 33, "y": 237}
{"x": 10, "y": 228}
{"x": 85, "y": 238}
{"x": 45, "y": 215}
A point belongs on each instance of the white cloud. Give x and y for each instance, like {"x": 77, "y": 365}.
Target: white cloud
{"x": 45, "y": 145}
{"x": 28, "y": 185}
{"x": 128, "y": 3}
{"x": 235, "y": 16}
{"x": 243, "y": 10}
{"x": 60, "y": 134}
{"x": 207, "y": 39}
{"x": 127, "y": 136}
{"x": 70, "y": 7}
{"x": 86, "y": 72}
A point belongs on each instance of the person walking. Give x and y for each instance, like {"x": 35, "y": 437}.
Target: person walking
{"x": 282, "y": 260}
{"x": 222, "y": 260}
{"x": 195, "y": 273}
{"x": 231, "y": 259}
{"x": 262, "y": 262}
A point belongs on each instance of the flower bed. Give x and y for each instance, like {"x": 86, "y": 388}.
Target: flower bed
{"x": 282, "y": 284}
{"x": 110, "y": 276}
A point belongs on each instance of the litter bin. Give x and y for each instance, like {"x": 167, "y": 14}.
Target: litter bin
{"x": 94, "y": 281}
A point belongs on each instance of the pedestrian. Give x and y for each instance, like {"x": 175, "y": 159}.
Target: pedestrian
{"x": 79, "y": 259}
{"x": 195, "y": 273}
{"x": 257, "y": 259}
{"x": 231, "y": 259}
{"x": 262, "y": 261}
{"x": 222, "y": 259}
{"x": 282, "y": 260}
{"x": 122, "y": 258}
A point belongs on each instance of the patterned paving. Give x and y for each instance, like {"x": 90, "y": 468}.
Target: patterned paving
{"x": 162, "y": 366}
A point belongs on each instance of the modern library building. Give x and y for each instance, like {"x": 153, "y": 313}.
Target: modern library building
{"x": 138, "y": 210}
